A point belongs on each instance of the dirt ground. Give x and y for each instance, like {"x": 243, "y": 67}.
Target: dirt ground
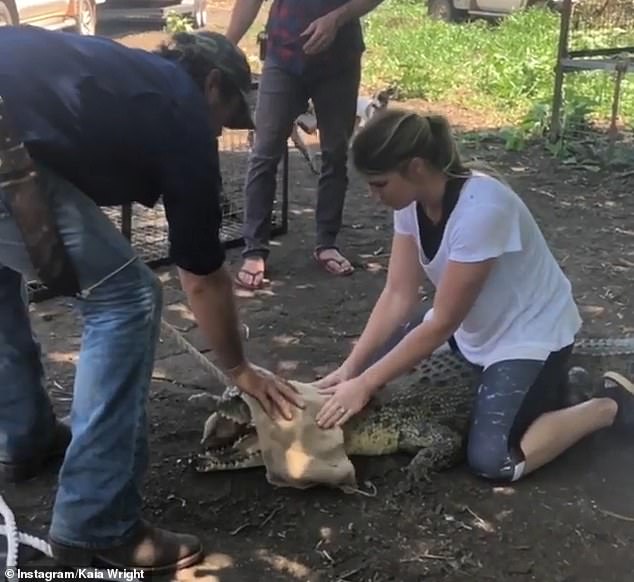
{"x": 573, "y": 521}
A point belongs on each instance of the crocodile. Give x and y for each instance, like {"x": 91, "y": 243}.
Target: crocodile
{"x": 426, "y": 414}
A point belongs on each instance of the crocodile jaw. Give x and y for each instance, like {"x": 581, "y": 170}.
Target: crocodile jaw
{"x": 243, "y": 453}
{"x": 230, "y": 442}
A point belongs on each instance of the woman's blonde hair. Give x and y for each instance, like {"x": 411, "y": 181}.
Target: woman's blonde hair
{"x": 393, "y": 137}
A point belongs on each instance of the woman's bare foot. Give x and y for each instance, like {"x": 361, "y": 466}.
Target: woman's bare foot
{"x": 251, "y": 274}
{"x": 333, "y": 261}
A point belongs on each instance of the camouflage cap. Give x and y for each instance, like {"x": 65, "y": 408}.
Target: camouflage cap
{"x": 224, "y": 55}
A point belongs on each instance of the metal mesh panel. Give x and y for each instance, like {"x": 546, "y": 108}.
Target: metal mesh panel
{"x": 601, "y": 26}
{"x": 593, "y": 101}
{"x": 146, "y": 228}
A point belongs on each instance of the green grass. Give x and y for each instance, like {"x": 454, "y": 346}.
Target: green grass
{"x": 506, "y": 68}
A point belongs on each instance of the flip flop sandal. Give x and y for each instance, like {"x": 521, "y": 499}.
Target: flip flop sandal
{"x": 325, "y": 263}
{"x": 253, "y": 274}
{"x": 620, "y": 389}
{"x": 621, "y": 380}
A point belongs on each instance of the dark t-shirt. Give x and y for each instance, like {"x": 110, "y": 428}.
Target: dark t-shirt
{"x": 121, "y": 124}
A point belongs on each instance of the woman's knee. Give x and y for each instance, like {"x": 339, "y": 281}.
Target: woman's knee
{"x": 509, "y": 399}
{"x": 495, "y": 461}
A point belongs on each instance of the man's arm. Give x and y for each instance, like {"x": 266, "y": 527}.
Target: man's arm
{"x": 188, "y": 161}
{"x": 213, "y": 305}
{"x": 194, "y": 216}
{"x": 210, "y": 296}
{"x": 243, "y": 15}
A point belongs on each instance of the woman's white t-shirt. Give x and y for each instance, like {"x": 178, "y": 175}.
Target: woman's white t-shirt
{"x": 526, "y": 308}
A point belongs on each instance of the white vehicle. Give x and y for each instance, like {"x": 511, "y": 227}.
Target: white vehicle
{"x": 78, "y": 15}
{"x": 459, "y": 10}
{"x": 81, "y": 15}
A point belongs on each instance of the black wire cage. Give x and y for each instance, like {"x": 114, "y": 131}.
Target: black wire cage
{"x": 146, "y": 228}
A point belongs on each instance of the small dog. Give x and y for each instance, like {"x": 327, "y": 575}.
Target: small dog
{"x": 368, "y": 106}
{"x": 307, "y": 122}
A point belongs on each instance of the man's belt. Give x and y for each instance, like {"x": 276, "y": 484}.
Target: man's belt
{"x": 31, "y": 210}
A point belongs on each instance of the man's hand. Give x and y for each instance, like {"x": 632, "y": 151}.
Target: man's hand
{"x": 321, "y": 33}
{"x": 274, "y": 394}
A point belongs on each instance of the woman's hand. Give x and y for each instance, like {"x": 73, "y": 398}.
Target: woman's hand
{"x": 346, "y": 399}
{"x": 341, "y": 374}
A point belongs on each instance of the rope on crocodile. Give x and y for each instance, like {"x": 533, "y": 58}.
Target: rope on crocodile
{"x": 200, "y": 358}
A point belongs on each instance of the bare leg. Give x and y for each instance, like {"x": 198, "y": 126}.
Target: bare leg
{"x": 555, "y": 432}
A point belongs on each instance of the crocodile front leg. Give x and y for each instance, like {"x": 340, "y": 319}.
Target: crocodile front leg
{"x": 436, "y": 447}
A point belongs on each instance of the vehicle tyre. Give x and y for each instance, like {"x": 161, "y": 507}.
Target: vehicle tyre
{"x": 6, "y": 16}
{"x": 200, "y": 13}
{"x": 86, "y": 17}
{"x": 443, "y": 10}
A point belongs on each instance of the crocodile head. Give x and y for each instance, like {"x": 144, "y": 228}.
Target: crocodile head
{"x": 229, "y": 438}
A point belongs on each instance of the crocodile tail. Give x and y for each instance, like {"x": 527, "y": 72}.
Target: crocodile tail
{"x": 620, "y": 346}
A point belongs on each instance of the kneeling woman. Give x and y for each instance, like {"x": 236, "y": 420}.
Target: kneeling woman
{"x": 501, "y": 300}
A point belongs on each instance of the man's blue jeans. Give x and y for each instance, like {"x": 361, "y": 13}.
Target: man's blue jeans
{"x": 98, "y": 499}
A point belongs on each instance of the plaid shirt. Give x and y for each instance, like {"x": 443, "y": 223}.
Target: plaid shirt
{"x": 289, "y": 18}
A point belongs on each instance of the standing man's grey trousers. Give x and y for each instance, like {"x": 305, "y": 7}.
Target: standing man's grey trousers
{"x": 283, "y": 96}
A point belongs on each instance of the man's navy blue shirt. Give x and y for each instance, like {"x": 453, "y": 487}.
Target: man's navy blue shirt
{"x": 121, "y": 124}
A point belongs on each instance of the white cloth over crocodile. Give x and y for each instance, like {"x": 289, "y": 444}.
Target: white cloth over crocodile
{"x": 298, "y": 453}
